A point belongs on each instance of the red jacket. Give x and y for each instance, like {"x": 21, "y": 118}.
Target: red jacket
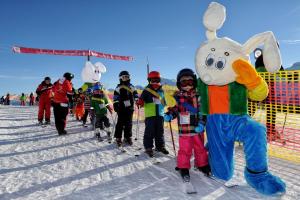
{"x": 61, "y": 89}
{"x": 44, "y": 91}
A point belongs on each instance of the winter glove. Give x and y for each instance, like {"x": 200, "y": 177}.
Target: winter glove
{"x": 205, "y": 170}
{"x": 190, "y": 108}
{"x": 246, "y": 74}
{"x": 140, "y": 103}
{"x": 200, "y": 128}
{"x": 168, "y": 117}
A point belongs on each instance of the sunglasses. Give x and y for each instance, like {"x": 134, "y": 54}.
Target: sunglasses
{"x": 184, "y": 83}
{"x": 155, "y": 80}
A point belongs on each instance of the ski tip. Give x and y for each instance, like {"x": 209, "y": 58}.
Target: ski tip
{"x": 189, "y": 188}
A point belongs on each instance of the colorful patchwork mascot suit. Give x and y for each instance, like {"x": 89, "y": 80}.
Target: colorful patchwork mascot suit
{"x": 227, "y": 79}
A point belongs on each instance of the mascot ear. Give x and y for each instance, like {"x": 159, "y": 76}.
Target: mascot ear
{"x": 101, "y": 67}
{"x": 271, "y": 53}
{"x": 88, "y": 64}
{"x": 213, "y": 19}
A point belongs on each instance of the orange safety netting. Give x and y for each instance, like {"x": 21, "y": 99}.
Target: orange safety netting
{"x": 280, "y": 112}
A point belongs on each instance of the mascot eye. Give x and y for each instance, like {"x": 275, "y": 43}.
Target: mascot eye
{"x": 220, "y": 64}
{"x": 212, "y": 49}
{"x": 226, "y": 53}
{"x": 209, "y": 60}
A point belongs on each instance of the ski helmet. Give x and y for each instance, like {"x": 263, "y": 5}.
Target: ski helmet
{"x": 47, "y": 78}
{"x": 69, "y": 76}
{"x": 124, "y": 77}
{"x": 153, "y": 75}
{"x": 186, "y": 72}
{"x": 122, "y": 73}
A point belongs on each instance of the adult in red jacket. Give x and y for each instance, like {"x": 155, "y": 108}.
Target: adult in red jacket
{"x": 62, "y": 91}
{"x": 44, "y": 91}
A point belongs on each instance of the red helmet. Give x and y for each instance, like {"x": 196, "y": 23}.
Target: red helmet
{"x": 153, "y": 74}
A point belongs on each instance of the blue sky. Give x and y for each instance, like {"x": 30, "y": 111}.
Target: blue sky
{"x": 167, "y": 31}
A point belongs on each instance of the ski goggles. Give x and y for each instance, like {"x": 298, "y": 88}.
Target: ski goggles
{"x": 97, "y": 92}
{"x": 125, "y": 77}
{"x": 185, "y": 83}
{"x": 155, "y": 80}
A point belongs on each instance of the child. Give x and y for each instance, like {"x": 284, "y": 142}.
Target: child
{"x": 99, "y": 104}
{"x": 124, "y": 97}
{"x": 153, "y": 100}
{"x": 23, "y": 99}
{"x": 31, "y": 99}
{"x": 190, "y": 125}
{"x": 87, "y": 105}
{"x": 79, "y": 110}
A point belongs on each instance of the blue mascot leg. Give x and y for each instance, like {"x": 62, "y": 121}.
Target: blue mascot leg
{"x": 253, "y": 136}
{"x": 220, "y": 146}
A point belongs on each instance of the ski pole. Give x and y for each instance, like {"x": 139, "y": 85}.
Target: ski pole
{"x": 172, "y": 139}
{"x": 282, "y": 132}
{"x": 137, "y": 124}
{"x": 114, "y": 122}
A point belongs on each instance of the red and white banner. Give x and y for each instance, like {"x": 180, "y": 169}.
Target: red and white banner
{"x": 17, "y": 49}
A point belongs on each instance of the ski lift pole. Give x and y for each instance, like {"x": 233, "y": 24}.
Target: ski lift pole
{"x": 137, "y": 124}
{"x": 148, "y": 66}
{"x": 89, "y": 55}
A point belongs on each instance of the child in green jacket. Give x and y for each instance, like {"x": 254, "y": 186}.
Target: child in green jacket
{"x": 99, "y": 103}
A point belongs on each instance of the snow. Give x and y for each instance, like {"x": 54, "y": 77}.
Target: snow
{"x": 36, "y": 163}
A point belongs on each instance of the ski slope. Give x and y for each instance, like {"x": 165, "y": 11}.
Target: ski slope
{"x": 36, "y": 163}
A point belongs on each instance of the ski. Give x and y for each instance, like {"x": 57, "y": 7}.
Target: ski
{"x": 228, "y": 184}
{"x": 189, "y": 188}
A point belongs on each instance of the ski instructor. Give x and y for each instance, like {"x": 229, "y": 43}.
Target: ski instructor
{"x": 62, "y": 91}
{"x": 44, "y": 91}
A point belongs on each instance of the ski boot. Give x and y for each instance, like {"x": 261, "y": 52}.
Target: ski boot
{"x": 205, "y": 170}
{"x": 162, "y": 150}
{"x": 150, "y": 153}
{"x": 185, "y": 175}
{"x": 108, "y": 133}
{"x": 119, "y": 142}
{"x": 98, "y": 135}
{"x": 128, "y": 141}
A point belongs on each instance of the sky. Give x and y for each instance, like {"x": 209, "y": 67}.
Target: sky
{"x": 168, "y": 32}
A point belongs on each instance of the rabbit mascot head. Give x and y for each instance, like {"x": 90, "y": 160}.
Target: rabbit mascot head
{"x": 215, "y": 57}
{"x": 91, "y": 74}
{"x": 227, "y": 80}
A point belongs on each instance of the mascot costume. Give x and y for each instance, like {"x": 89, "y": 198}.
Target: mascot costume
{"x": 227, "y": 79}
{"x": 91, "y": 74}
